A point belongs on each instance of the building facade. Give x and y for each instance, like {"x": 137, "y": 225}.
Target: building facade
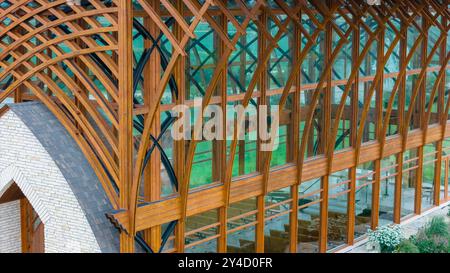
{"x": 358, "y": 94}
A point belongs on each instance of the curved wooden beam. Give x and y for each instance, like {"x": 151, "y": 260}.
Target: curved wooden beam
{"x": 149, "y": 119}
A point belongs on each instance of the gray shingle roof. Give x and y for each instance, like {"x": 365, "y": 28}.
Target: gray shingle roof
{"x": 74, "y": 167}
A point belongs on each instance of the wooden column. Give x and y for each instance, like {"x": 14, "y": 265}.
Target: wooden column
{"x": 296, "y": 119}
{"x": 261, "y": 156}
{"x": 354, "y": 124}
{"x": 441, "y": 103}
{"x": 223, "y": 211}
{"x": 152, "y": 173}
{"x": 326, "y": 129}
{"x": 437, "y": 173}
{"x": 378, "y": 131}
{"x": 125, "y": 113}
{"x": 441, "y": 110}
{"x": 260, "y": 224}
{"x": 418, "y": 195}
{"x": 401, "y": 126}
{"x": 179, "y": 146}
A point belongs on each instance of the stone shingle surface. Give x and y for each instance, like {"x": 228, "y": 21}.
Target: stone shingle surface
{"x": 75, "y": 168}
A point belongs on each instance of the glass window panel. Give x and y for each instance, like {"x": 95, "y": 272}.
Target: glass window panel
{"x": 387, "y": 190}
{"x": 428, "y": 175}
{"x": 388, "y": 92}
{"x": 166, "y": 142}
{"x": 245, "y": 159}
{"x": 202, "y": 60}
{"x": 284, "y": 143}
{"x": 169, "y": 247}
{"x": 309, "y": 202}
{"x": 345, "y": 122}
{"x": 243, "y": 61}
{"x": 369, "y": 65}
{"x": 433, "y": 35}
{"x": 412, "y": 37}
{"x": 280, "y": 63}
{"x": 393, "y": 63}
{"x": 277, "y": 224}
{"x": 202, "y": 232}
{"x": 314, "y": 63}
{"x": 434, "y": 102}
{"x": 442, "y": 195}
{"x": 369, "y": 132}
{"x": 202, "y": 167}
{"x": 445, "y": 189}
{"x": 343, "y": 64}
{"x": 241, "y": 226}
{"x": 411, "y": 85}
{"x": 314, "y": 145}
{"x": 409, "y": 181}
{"x": 363, "y": 198}
{"x": 338, "y": 189}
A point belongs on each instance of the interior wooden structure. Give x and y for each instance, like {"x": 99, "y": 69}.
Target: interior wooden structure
{"x": 363, "y": 92}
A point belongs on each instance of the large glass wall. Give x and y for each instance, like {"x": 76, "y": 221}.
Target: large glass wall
{"x": 392, "y": 91}
{"x": 222, "y": 56}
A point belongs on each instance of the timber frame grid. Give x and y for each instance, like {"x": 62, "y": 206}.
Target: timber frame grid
{"x": 81, "y": 62}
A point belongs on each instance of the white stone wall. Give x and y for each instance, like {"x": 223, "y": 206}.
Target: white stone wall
{"x": 10, "y": 241}
{"x": 25, "y": 161}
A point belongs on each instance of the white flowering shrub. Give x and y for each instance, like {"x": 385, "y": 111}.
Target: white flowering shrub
{"x": 387, "y": 237}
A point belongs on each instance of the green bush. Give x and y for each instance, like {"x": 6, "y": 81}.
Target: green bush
{"x": 406, "y": 246}
{"x": 433, "y": 238}
{"x": 433, "y": 244}
{"x": 437, "y": 227}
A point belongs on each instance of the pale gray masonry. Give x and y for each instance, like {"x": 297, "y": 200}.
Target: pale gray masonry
{"x": 10, "y": 241}
{"x": 57, "y": 179}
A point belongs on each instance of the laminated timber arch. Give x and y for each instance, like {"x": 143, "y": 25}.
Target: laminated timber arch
{"x": 110, "y": 71}
{"x": 43, "y": 40}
